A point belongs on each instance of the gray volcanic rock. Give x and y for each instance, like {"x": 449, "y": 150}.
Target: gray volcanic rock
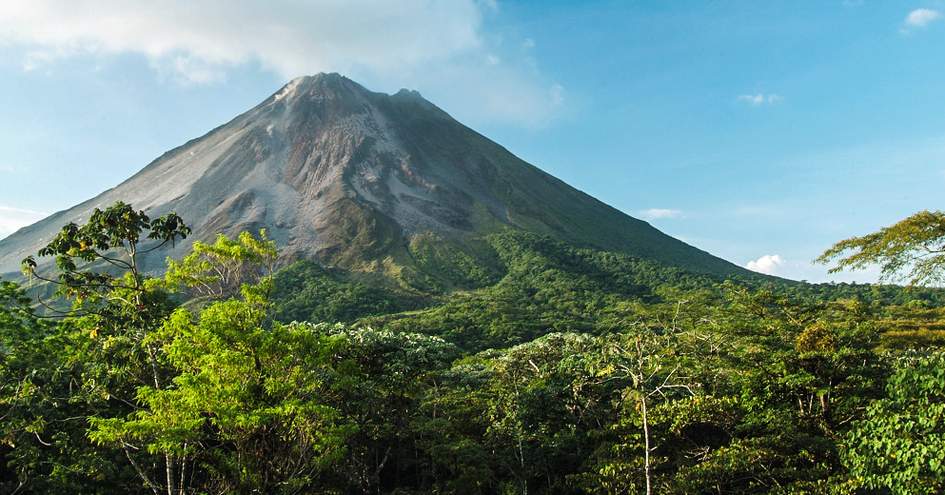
{"x": 348, "y": 176}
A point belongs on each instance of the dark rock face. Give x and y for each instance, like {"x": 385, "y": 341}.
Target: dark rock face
{"x": 348, "y": 176}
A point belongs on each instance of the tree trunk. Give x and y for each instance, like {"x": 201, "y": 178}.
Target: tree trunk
{"x": 646, "y": 442}
{"x": 183, "y": 473}
{"x": 169, "y": 463}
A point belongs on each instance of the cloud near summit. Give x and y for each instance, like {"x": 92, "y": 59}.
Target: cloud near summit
{"x": 437, "y": 46}
{"x": 769, "y": 264}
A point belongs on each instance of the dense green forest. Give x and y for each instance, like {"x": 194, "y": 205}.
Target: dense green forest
{"x": 557, "y": 369}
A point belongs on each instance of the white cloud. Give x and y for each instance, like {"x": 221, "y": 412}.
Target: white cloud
{"x": 12, "y": 219}
{"x": 759, "y": 99}
{"x": 290, "y": 37}
{"x": 768, "y": 264}
{"x": 920, "y": 18}
{"x": 424, "y": 42}
{"x": 189, "y": 70}
{"x": 660, "y": 213}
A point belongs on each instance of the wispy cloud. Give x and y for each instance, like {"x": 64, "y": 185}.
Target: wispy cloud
{"x": 769, "y": 264}
{"x": 759, "y": 99}
{"x": 12, "y": 219}
{"x": 287, "y": 36}
{"x": 920, "y": 18}
{"x": 660, "y": 213}
{"x": 437, "y": 45}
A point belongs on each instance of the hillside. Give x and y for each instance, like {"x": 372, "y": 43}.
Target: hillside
{"x": 368, "y": 182}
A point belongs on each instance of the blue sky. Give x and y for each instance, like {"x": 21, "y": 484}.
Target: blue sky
{"x": 759, "y": 131}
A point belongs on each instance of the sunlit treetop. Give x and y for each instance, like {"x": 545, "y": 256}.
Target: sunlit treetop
{"x": 88, "y": 257}
{"x": 911, "y": 250}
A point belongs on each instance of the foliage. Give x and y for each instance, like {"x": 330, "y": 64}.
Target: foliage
{"x": 557, "y": 369}
{"x": 248, "y": 408}
{"x": 219, "y": 270}
{"x": 444, "y": 265}
{"x": 913, "y": 249}
{"x": 897, "y": 445}
{"x": 305, "y": 291}
{"x": 88, "y": 257}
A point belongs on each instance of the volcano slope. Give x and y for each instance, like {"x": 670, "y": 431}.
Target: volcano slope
{"x": 369, "y": 183}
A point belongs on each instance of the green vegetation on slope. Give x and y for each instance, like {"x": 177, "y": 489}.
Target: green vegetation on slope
{"x": 560, "y": 370}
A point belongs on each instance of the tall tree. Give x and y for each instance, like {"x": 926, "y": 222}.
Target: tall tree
{"x": 647, "y": 365}
{"x": 220, "y": 270}
{"x": 897, "y": 446}
{"x": 910, "y": 250}
{"x": 98, "y": 269}
{"x": 249, "y": 410}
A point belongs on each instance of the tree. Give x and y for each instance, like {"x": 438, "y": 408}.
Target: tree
{"x": 645, "y": 363}
{"x": 97, "y": 265}
{"x": 233, "y": 403}
{"x": 114, "y": 305}
{"x": 897, "y": 446}
{"x": 50, "y": 383}
{"x": 540, "y": 402}
{"x": 34, "y": 439}
{"x": 249, "y": 410}
{"x": 386, "y": 375}
{"x": 912, "y": 249}
{"x": 218, "y": 271}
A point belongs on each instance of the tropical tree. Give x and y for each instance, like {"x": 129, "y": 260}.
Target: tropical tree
{"x": 910, "y": 250}
{"x": 385, "y": 377}
{"x": 98, "y": 264}
{"x": 115, "y": 307}
{"x": 249, "y": 410}
{"x": 43, "y": 407}
{"x": 649, "y": 369}
{"x": 897, "y": 446}
{"x": 218, "y": 271}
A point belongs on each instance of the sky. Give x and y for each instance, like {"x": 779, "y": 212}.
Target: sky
{"x": 762, "y": 132}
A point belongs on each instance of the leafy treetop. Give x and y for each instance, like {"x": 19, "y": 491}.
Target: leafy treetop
{"x": 912, "y": 249}
{"x": 88, "y": 257}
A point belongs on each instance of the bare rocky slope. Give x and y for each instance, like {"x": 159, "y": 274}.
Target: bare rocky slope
{"x": 363, "y": 181}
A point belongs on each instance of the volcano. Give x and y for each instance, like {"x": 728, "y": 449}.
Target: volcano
{"x": 353, "y": 178}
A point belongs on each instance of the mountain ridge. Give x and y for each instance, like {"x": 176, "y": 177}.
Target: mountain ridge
{"x": 353, "y": 178}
